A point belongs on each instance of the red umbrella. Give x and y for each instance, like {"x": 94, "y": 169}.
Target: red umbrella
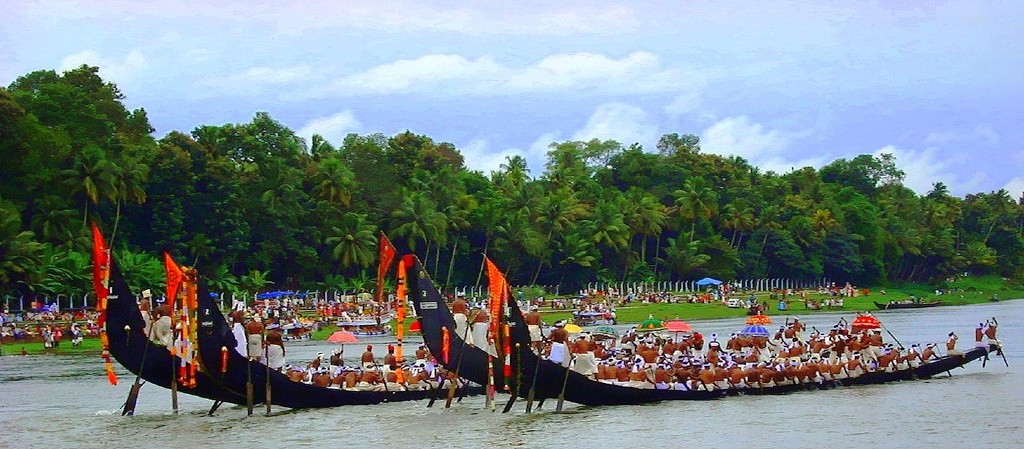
{"x": 415, "y": 326}
{"x": 863, "y": 322}
{"x": 678, "y": 326}
{"x": 759, "y": 320}
{"x": 342, "y": 337}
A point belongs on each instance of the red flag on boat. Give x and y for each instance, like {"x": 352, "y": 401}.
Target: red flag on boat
{"x": 385, "y": 257}
{"x": 100, "y": 272}
{"x": 174, "y": 279}
{"x": 498, "y": 289}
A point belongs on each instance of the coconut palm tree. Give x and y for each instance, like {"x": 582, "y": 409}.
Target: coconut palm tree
{"x": 695, "y": 201}
{"x": 20, "y": 254}
{"x": 91, "y": 176}
{"x": 334, "y": 182}
{"x": 129, "y": 179}
{"x": 354, "y": 241}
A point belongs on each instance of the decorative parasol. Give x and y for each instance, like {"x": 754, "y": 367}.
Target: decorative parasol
{"x": 755, "y": 330}
{"x": 605, "y": 333}
{"x": 343, "y": 337}
{"x": 678, "y": 326}
{"x": 760, "y": 320}
{"x": 651, "y": 324}
{"x": 573, "y": 329}
{"x": 863, "y": 322}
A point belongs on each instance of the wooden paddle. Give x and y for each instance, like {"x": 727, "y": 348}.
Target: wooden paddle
{"x": 458, "y": 363}
{"x": 266, "y": 386}
{"x": 565, "y": 381}
{"x": 133, "y": 394}
{"x": 533, "y": 388}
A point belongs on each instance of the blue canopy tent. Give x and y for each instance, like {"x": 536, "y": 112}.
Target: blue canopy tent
{"x": 708, "y": 281}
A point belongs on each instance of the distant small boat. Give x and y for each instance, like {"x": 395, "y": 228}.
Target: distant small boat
{"x": 906, "y": 305}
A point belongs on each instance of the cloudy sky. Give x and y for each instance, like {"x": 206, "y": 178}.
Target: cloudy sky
{"x": 783, "y": 84}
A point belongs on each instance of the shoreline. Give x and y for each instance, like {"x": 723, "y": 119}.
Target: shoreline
{"x": 710, "y": 311}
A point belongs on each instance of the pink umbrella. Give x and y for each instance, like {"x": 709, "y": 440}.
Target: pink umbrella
{"x": 678, "y": 326}
{"x": 342, "y": 337}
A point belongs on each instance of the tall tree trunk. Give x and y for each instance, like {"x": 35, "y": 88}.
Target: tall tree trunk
{"x": 480, "y": 274}
{"x": 540, "y": 264}
{"x": 764, "y": 242}
{"x": 657, "y": 251}
{"x": 990, "y": 228}
{"x": 117, "y": 219}
{"x": 451, "y": 264}
{"x": 643, "y": 249}
{"x": 437, "y": 259}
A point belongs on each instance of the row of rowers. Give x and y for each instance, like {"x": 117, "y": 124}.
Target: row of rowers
{"x": 390, "y": 375}
{"x": 648, "y": 361}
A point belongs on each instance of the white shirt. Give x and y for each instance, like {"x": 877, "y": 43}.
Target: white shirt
{"x": 241, "y": 342}
{"x": 275, "y": 356}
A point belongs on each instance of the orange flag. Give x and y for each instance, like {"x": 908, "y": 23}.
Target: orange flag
{"x": 385, "y": 257}
{"x": 174, "y": 278}
{"x": 498, "y": 289}
{"x": 100, "y": 272}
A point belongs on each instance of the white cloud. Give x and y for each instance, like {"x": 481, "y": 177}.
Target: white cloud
{"x": 924, "y": 168}
{"x": 479, "y": 157}
{"x": 620, "y": 122}
{"x": 684, "y": 103}
{"x": 423, "y": 74}
{"x": 110, "y": 69}
{"x": 293, "y": 18}
{"x": 781, "y": 166}
{"x": 737, "y": 136}
{"x": 334, "y": 128}
{"x": 255, "y": 79}
{"x": 1015, "y": 187}
{"x": 170, "y": 36}
{"x": 638, "y": 72}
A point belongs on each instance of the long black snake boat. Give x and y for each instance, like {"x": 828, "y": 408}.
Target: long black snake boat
{"x": 548, "y": 379}
{"x": 152, "y": 362}
{"x": 239, "y": 374}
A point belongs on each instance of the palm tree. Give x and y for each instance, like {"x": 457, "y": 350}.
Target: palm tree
{"x": 417, "y": 218}
{"x": 129, "y": 185}
{"x": 576, "y": 250}
{"x": 20, "y": 254}
{"x": 513, "y": 173}
{"x": 695, "y": 201}
{"x": 141, "y": 270}
{"x": 91, "y": 176}
{"x": 823, "y": 222}
{"x": 608, "y": 225}
{"x": 52, "y": 221}
{"x": 684, "y": 257}
{"x": 334, "y": 182}
{"x": 222, "y": 280}
{"x": 645, "y": 216}
{"x": 354, "y": 241}
{"x": 257, "y": 279}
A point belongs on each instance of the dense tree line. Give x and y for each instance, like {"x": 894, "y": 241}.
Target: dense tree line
{"x": 252, "y": 204}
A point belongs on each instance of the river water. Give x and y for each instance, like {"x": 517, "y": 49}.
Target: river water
{"x": 66, "y": 401}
